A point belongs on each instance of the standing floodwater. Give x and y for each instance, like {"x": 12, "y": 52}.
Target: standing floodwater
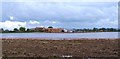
{"x": 61, "y": 35}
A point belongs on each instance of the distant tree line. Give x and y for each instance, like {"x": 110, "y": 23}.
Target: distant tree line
{"x": 97, "y": 30}
{"x": 20, "y": 30}
{"x": 23, "y": 30}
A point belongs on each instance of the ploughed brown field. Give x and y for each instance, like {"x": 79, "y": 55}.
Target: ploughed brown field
{"x": 29, "y": 47}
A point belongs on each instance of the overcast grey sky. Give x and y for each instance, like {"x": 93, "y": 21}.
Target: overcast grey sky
{"x": 70, "y": 14}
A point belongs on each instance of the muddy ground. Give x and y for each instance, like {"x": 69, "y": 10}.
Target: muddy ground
{"x": 29, "y": 47}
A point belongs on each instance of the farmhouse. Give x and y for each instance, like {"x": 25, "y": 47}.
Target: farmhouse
{"x": 49, "y": 30}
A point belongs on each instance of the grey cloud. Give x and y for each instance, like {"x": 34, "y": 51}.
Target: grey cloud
{"x": 74, "y": 13}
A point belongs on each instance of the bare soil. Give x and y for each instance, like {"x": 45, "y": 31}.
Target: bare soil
{"x": 28, "y": 47}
